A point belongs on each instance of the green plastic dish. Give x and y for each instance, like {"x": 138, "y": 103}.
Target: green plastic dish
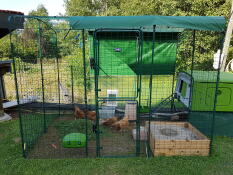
{"x": 74, "y": 140}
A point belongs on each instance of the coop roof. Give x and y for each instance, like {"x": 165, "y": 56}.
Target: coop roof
{"x": 5, "y": 26}
{"x": 211, "y": 76}
{"x": 212, "y": 23}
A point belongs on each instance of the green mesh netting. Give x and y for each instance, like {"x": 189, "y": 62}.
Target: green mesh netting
{"x": 223, "y": 125}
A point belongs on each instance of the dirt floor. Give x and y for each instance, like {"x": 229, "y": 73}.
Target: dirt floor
{"x": 119, "y": 144}
{"x": 49, "y": 146}
{"x": 113, "y": 143}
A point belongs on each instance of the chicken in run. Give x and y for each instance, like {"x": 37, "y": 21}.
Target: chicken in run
{"x": 80, "y": 114}
{"x": 122, "y": 125}
{"x": 109, "y": 121}
{"x": 114, "y": 122}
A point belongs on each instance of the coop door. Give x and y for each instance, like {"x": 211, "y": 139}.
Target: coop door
{"x": 223, "y": 96}
{"x": 183, "y": 89}
{"x": 118, "y": 130}
{"x": 116, "y": 83}
{"x": 111, "y": 94}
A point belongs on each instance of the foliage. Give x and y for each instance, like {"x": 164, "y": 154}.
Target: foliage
{"x": 28, "y": 67}
{"x": 92, "y": 7}
{"x": 37, "y": 39}
{"x": 82, "y": 7}
{"x": 25, "y": 41}
{"x": 207, "y": 43}
{"x": 4, "y": 47}
{"x": 40, "y": 11}
{"x": 68, "y": 44}
{"x": 177, "y": 7}
{"x": 77, "y": 69}
{"x": 148, "y": 7}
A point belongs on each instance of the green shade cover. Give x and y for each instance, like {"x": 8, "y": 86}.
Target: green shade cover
{"x": 212, "y": 23}
{"x": 203, "y": 120}
{"x": 74, "y": 140}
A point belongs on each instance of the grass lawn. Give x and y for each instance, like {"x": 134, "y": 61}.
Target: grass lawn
{"x": 12, "y": 163}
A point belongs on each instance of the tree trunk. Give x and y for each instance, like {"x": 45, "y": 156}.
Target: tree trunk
{"x": 227, "y": 40}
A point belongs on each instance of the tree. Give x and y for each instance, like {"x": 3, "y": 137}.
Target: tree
{"x": 92, "y": 7}
{"x": 40, "y": 11}
{"x": 206, "y": 43}
{"x": 176, "y": 7}
{"x": 25, "y": 42}
{"x": 4, "y": 47}
{"x": 35, "y": 32}
{"x": 148, "y": 7}
{"x": 82, "y": 7}
{"x": 208, "y": 40}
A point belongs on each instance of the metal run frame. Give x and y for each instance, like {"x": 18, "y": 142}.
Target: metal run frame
{"x": 96, "y": 70}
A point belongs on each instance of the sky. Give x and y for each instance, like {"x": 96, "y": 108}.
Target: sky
{"x": 54, "y": 7}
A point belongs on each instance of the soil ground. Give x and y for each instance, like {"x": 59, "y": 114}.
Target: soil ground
{"x": 113, "y": 143}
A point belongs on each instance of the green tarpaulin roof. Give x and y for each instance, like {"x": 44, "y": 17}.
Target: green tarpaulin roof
{"x": 213, "y": 23}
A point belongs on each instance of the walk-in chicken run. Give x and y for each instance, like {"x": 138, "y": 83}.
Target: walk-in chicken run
{"x": 132, "y": 88}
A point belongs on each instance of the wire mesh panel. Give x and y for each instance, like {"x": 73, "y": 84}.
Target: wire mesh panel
{"x": 113, "y": 92}
{"x": 205, "y": 99}
{"x": 29, "y": 90}
{"x": 185, "y": 132}
{"x": 51, "y": 86}
{"x": 118, "y": 129}
{"x": 114, "y": 50}
{"x": 113, "y": 53}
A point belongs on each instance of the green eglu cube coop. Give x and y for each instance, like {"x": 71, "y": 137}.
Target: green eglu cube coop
{"x": 119, "y": 51}
{"x": 199, "y": 90}
{"x": 106, "y": 86}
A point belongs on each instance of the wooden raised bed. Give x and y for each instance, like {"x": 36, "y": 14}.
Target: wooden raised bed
{"x": 169, "y": 146}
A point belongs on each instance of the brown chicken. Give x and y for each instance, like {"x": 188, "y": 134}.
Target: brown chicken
{"x": 122, "y": 124}
{"x": 80, "y": 114}
{"x": 91, "y": 115}
{"x": 110, "y": 121}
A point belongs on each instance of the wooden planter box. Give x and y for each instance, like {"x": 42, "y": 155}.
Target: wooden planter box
{"x": 169, "y": 146}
